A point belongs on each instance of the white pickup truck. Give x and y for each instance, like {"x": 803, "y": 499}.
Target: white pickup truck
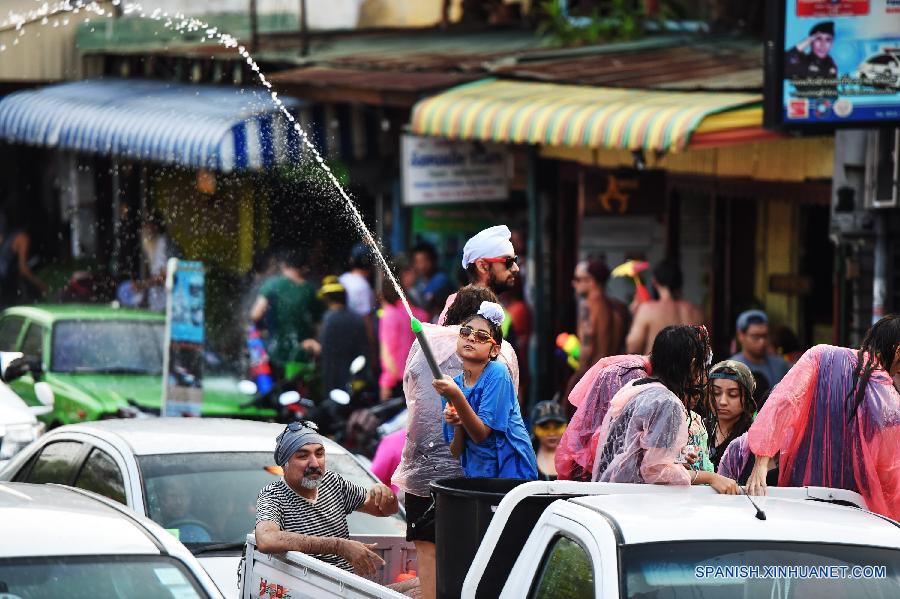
{"x": 640, "y": 541}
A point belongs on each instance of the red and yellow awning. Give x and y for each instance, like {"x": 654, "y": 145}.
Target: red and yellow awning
{"x": 577, "y": 116}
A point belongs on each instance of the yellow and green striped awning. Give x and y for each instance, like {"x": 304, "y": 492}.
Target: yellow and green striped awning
{"x": 578, "y": 116}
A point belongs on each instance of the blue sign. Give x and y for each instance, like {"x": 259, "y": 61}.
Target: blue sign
{"x": 183, "y": 394}
{"x": 834, "y": 63}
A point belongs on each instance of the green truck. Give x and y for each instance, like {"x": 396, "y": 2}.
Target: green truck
{"x": 104, "y": 362}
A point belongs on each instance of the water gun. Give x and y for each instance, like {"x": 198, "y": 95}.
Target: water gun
{"x": 259, "y": 361}
{"x": 633, "y": 269}
{"x": 419, "y": 332}
{"x": 571, "y": 346}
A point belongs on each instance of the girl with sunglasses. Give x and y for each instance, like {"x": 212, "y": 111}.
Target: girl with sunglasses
{"x": 483, "y": 423}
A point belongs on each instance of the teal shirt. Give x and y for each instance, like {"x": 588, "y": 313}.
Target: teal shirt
{"x": 293, "y": 312}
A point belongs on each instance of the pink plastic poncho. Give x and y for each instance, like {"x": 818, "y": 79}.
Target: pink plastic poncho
{"x": 642, "y": 434}
{"x": 591, "y": 395}
{"x": 426, "y": 455}
{"x": 806, "y": 420}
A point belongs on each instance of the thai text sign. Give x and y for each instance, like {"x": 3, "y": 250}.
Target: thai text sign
{"x": 440, "y": 171}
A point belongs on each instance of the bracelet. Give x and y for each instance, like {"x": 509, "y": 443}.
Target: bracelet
{"x": 694, "y": 478}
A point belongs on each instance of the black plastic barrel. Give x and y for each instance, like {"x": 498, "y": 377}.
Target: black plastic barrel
{"x": 464, "y": 509}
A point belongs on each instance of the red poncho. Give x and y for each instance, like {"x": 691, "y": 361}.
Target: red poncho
{"x": 806, "y": 419}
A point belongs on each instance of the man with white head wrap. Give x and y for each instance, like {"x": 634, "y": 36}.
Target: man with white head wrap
{"x": 490, "y": 261}
{"x": 307, "y": 510}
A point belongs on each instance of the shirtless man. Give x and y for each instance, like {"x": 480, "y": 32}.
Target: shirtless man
{"x": 653, "y": 316}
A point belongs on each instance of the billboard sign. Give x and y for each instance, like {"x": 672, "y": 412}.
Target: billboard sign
{"x": 832, "y": 64}
{"x": 183, "y": 358}
{"x": 441, "y": 171}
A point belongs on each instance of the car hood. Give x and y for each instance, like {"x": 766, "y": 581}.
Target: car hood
{"x": 115, "y": 389}
{"x": 223, "y": 569}
{"x": 221, "y": 396}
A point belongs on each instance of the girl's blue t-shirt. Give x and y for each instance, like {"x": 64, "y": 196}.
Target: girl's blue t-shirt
{"x": 507, "y": 452}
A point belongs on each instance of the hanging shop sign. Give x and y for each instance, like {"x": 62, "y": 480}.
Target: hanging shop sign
{"x": 440, "y": 171}
{"x": 624, "y": 192}
{"x": 185, "y": 335}
{"x": 832, "y": 63}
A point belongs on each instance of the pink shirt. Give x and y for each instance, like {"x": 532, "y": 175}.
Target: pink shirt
{"x": 395, "y": 337}
{"x": 387, "y": 457}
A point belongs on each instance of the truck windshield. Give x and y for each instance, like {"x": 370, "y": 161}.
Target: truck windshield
{"x": 107, "y": 347}
{"x": 744, "y": 569}
{"x": 209, "y": 500}
{"x": 97, "y": 576}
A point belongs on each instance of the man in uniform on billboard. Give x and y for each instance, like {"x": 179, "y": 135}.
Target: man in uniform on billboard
{"x": 800, "y": 65}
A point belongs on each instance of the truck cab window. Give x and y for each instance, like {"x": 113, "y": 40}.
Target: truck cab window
{"x": 565, "y": 572}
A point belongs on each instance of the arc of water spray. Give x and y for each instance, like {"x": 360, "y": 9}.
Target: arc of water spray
{"x": 182, "y": 24}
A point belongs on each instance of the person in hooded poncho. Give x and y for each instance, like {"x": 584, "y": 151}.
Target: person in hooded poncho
{"x": 834, "y": 421}
{"x": 591, "y": 396}
{"x": 645, "y": 431}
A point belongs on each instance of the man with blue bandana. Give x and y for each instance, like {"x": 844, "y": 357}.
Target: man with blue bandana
{"x": 307, "y": 510}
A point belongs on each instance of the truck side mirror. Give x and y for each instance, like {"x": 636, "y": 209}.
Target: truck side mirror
{"x": 44, "y": 394}
{"x": 12, "y": 366}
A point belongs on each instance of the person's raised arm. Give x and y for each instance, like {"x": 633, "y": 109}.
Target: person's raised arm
{"x": 271, "y": 539}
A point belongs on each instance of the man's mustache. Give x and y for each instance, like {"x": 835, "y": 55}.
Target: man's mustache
{"x": 312, "y": 470}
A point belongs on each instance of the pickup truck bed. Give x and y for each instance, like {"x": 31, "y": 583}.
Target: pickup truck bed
{"x": 296, "y": 575}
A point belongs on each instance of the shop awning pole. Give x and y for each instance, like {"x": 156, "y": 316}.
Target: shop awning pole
{"x": 538, "y": 348}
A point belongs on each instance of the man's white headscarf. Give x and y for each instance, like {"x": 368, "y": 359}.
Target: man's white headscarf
{"x": 493, "y": 242}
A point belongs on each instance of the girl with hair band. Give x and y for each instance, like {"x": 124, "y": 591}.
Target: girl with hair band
{"x": 731, "y": 406}
{"x": 646, "y": 428}
{"x": 834, "y": 421}
{"x": 484, "y": 425}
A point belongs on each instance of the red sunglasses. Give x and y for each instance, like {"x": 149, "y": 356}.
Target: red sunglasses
{"x": 507, "y": 260}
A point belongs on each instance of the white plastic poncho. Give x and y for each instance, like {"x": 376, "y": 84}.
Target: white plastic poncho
{"x": 426, "y": 456}
{"x": 642, "y": 434}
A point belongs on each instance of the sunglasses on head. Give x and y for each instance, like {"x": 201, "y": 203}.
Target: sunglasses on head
{"x": 480, "y": 336}
{"x": 508, "y": 261}
{"x": 296, "y": 426}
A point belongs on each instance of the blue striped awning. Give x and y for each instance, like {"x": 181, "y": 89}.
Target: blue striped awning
{"x": 196, "y": 126}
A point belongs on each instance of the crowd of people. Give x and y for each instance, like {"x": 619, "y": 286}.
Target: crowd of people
{"x": 646, "y": 406}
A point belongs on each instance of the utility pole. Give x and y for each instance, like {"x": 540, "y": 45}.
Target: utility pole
{"x": 254, "y": 26}
{"x": 304, "y": 30}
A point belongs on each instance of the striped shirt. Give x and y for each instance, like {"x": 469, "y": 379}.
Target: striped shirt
{"x": 325, "y": 517}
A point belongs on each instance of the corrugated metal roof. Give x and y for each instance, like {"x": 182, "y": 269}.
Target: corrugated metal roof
{"x": 704, "y": 65}
{"x": 383, "y": 88}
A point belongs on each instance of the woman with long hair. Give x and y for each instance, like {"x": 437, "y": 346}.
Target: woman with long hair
{"x": 731, "y": 406}
{"x": 834, "y": 421}
{"x": 646, "y": 428}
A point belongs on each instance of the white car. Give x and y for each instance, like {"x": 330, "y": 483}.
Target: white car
{"x": 883, "y": 67}
{"x": 61, "y": 542}
{"x": 197, "y": 477}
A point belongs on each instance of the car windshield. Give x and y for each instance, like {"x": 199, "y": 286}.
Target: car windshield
{"x": 209, "y": 499}
{"x": 743, "y": 569}
{"x": 89, "y": 577}
{"x": 108, "y": 346}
